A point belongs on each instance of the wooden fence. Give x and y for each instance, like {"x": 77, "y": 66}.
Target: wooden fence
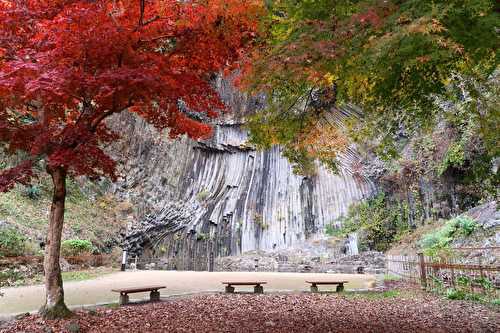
{"x": 465, "y": 270}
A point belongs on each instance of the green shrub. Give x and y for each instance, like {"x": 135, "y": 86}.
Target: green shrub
{"x": 454, "y": 157}
{"x": 260, "y": 221}
{"x": 379, "y": 222}
{"x": 474, "y": 297}
{"x": 439, "y": 240}
{"x": 456, "y": 294}
{"x": 12, "y": 243}
{"x": 463, "y": 281}
{"x": 11, "y": 277}
{"x": 203, "y": 195}
{"x": 437, "y": 285}
{"x": 202, "y": 236}
{"x": 33, "y": 192}
{"x": 76, "y": 247}
{"x": 465, "y": 225}
{"x": 462, "y": 290}
{"x": 331, "y": 230}
{"x": 485, "y": 283}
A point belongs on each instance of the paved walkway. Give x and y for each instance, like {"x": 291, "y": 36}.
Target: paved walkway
{"x": 98, "y": 291}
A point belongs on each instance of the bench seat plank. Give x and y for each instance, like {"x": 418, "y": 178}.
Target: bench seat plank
{"x": 243, "y": 283}
{"x": 154, "y": 294}
{"x": 314, "y": 285}
{"x": 137, "y": 289}
{"x": 258, "y": 289}
{"x": 327, "y": 282}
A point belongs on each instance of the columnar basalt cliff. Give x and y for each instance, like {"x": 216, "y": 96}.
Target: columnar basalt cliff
{"x": 200, "y": 200}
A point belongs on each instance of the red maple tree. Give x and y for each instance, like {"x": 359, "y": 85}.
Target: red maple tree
{"x": 66, "y": 66}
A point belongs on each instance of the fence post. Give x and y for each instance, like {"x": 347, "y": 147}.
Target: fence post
{"x": 480, "y": 264}
{"x": 453, "y": 262}
{"x": 423, "y": 272}
{"x": 124, "y": 261}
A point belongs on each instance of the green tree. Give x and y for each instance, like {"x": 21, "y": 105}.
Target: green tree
{"x": 391, "y": 58}
{"x": 378, "y": 221}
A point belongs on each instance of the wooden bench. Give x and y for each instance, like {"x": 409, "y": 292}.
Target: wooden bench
{"x": 154, "y": 294}
{"x": 258, "y": 289}
{"x": 314, "y": 285}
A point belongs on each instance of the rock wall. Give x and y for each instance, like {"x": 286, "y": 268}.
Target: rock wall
{"x": 197, "y": 201}
{"x": 302, "y": 262}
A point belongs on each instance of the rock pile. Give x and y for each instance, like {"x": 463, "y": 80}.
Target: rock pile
{"x": 367, "y": 262}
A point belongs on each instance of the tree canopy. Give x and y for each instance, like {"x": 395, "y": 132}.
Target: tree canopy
{"x": 65, "y": 66}
{"x": 390, "y": 58}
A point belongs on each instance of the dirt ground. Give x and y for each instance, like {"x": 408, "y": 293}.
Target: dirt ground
{"x": 295, "y": 312}
{"x": 98, "y": 291}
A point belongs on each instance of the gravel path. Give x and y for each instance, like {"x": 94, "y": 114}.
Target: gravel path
{"x": 289, "y": 313}
{"x": 98, "y": 291}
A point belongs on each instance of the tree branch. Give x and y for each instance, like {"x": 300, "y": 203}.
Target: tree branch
{"x": 157, "y": 38}
{"x": 142, "y": 4}
{"x": 151, "y": 20}
{"x": 141, "y": 22}
{"x": 104, "y": 115}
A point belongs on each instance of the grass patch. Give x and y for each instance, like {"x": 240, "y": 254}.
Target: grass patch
{"x": 66, "y": 276}
{"x": 112, "y": 306}
{"x": 374, "y": 294}
{"x": 76, "y": 276}
{"x": 90, "y": 214}
{"x": 87, "y": 274}
{"x": 389, "y": 278}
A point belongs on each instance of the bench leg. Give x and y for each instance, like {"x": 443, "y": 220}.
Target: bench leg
{"x": 258, "y": 289}
{"x": 123, "y": 299}
{"x": 154, "y": 296}
{"x": 340, "y": 288}
{"x": 229, "y": 289}
{"x": 314, "y": 288}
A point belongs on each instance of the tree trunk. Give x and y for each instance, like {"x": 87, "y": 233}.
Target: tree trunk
{"x": 54, "y": 294}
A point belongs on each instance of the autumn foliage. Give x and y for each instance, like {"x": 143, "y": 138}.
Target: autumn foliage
{"x": 68, "y": 65}
{"x": 389, "y": 58}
